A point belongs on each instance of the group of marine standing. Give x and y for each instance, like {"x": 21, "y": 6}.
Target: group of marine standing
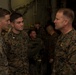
{"x": 39, "y": 51}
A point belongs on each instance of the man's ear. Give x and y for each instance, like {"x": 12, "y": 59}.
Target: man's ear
{"x": 66, "y": 21}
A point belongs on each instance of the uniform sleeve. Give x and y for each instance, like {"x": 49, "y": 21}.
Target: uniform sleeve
{"x": 3, "y": 62}
{"x": 72, "y": 56}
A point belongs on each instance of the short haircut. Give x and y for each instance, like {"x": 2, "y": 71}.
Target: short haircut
{"x": 14, "y": 16}
{"x": 30, "y": 30}
{"x": 68, "y": 13}
{"x": 4, "y": 12}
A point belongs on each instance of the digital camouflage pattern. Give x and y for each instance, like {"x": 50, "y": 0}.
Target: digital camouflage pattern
{"x": 17, "y": 53}
{"x": 65, "y": 58}
{"x": 3, "y": 58}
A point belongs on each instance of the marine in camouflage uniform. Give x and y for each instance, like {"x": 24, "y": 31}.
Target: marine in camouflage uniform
{"x": 35, "y": 54}
{"x": 17, "y": 53}
{"x": 65, "y": 51}
{"x": 51, "y": 42}
{"x": 4, "y": 22}
{"x": 65, "y": 59}
{"x": 16, "y": 39}
{"x": 52, "y": 37}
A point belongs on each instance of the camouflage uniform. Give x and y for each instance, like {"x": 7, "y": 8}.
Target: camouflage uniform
{"x": 17, "y": 53}
{"x": 3, "y": 58}
{"x": 65, "y": 58}
{"x": 34, "y": 54}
